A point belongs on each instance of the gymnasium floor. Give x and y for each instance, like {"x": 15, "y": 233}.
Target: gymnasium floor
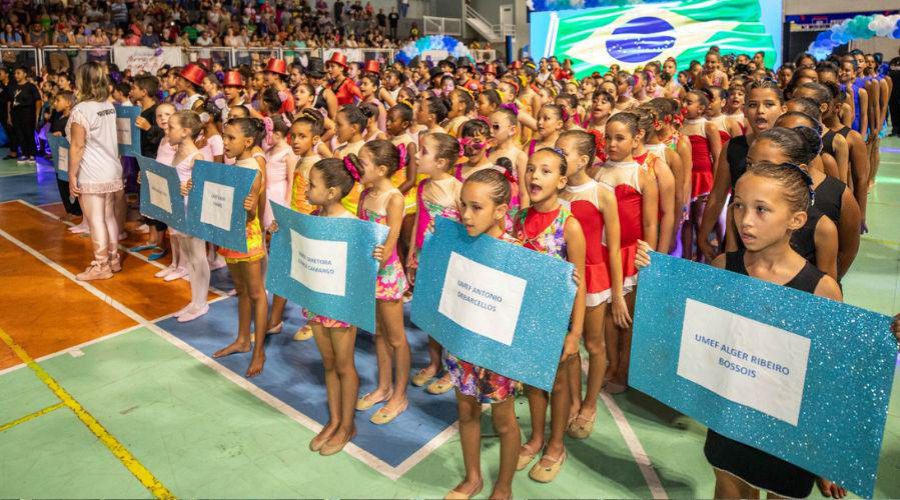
{"x": 102, "y": 394}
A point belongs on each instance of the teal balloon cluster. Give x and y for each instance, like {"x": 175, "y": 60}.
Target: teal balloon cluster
{"x": 855, "y": 28}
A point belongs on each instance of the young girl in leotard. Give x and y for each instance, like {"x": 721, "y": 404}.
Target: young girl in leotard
{"x": 714, "y": 113}
{"x": 329, "y": 183}
{"x": 638, "y": 203}
{"x": 665, "y": 180}
{"x": 484, "y": 203}
{"x": 550, "y": 122}
{"x": 460, "y": 110}
{"x": 662, "y": 141}
{"x": 306, "y": 132}
{"x": 603, "y": 105}
{"x": 369, "y": 85}
{"x": 280, "y": 163}
{"x": 184, "y": 128}
{"x": 706, "y": 145}
{"x": 488, "y": 102}
{"x": 437, "y": 196}
{"x": 859, "y": 167}
{"x": 242, "y": 137}
{"x": 381, "y": 202}
{"x": 770, "y": 202}
{"x": 473, "y": 137}
{"x": 548, "y": 227}
{"x": 504, "y": 144}
{"x": 734, "y": 108}
{"x": 350, "y": 124}
{"x": 432, "y": 111}
{"x": 594, "y": 207}
{"x": 399, "y": 124}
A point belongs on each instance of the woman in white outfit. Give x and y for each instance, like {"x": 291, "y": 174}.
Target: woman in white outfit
{"x": 95, "y": 167}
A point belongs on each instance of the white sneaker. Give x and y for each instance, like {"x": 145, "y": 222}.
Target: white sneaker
{"x": 81, "y": 228}
{"x": 183, "y": 310}
{"x": 165, "y": 272}
{"x": 193, "y": 314}
{"x": 179, "y": 272}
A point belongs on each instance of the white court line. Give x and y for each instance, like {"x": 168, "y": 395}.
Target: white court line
{"x": 631, "y": 440}
{"x": 363, "y": 456}
{"x": 123, "y": 248}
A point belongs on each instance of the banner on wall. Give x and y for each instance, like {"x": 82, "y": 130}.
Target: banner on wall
{"x": 216, "y": 204}
{"x": 325, "y": 264}
{"x": 59, "y": 147}
{"x": 128, "y": 134}
{"x": 634, "y": 34}
{"x": 139, "y": 59}
{"x": 161, "y": 193}
{"x": 494, "y": 304}
{"x": 784, "y": 371}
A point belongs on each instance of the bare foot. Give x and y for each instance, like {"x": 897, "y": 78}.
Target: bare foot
{"x": 235, "y": 347}
{"x": 256, "y": 365}
{"x": 830, "y": 489}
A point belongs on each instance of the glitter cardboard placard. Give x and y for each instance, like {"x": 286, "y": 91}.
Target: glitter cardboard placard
{"x": 59, "y": 147}
{"x": 161, "y": 193}
{"x": 494, "y": 304}
{"x": 325, "y": 264}
{"x": 798, "y": 376}
{"x": 216, "y": 204}
{"x": 129, "y": 136}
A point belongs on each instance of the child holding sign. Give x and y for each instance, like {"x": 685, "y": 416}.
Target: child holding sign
{"x": 594, "y": 207}
{"x": 381, "y": 202}
{"x": 770, "y": 203}
{"x": 437, "y": 196}
{"x": 242, "y": 136}
{"x": 638, "y": 204}
{"x": 184, "y": 128}
{"x": 484, "y": 203}
{"x": 548, "y": 227}
{"x": 329, "y": 182}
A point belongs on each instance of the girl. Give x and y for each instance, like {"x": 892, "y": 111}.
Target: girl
{"x": 165, "y": 153}
{"x": 184, "y": 128}
{"x": 484, "y": 203}
{"x": 350, "y": 124}
{"x": 594, "y": 207}
{"x": 624, "y": 87}
{"x": 211, "y": 116}
{"x": 473, "y": 139}
{"x": 504, "y": 144}
{"x": 436, "y": 196}
{"x": 371, "y": 111}
{"x": 381, "y": 202}
{"x": 571, "y": 115}
{"x": 242, "y": 135}
{"x": 765, "y": 103}
{"x": 399, "y": 123}
{"x": 432, "y": 111}
{"x": 665, "y": 180}
{"x": 603, "y": 105}
{"x": 859, "y": 167}
{"x": 489, "y": 101}
{"x": 734, "y": 108}
{"x": 712, "y": 75}
{"x": 305, "y": 133}
{"x": 717, "y": 98}
{"x": 548, "y": 227}
{"x": 549, "y": 124}
{"x": 663, "y": 142}
{"x": 770, "y": 203}
{"x": 637, "y": 202}
{"x": 329, "y": 182}
{"x": 368, "y": 87}
{"x": 460, "y": 110}
{"x": 280, "y": 163}
{"x": 706, "y": 145}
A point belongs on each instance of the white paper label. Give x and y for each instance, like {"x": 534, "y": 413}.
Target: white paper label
{"x": 216, "y": 207}
{"x": 482, "y": 299}
{"x": 159, "y": 191}
{"x": 63, "y": 159}
{"x": 319, "y": 264}
{"x": 123, "y": 130}
{"x": 743, "y": 360}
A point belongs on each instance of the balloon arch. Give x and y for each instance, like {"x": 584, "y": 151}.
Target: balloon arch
{"x": 856, "y": 28}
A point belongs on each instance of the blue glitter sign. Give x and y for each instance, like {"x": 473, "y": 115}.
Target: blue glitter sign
{"x": 161, "y": 193}
{"x": 792, "y": 374}
{"x": 216, "y": 203}
{"x": 59, "y": 147}
{"x": 129, "y": 136}
{"x": 494, "y": 304}
{"x": 325, "y": 264}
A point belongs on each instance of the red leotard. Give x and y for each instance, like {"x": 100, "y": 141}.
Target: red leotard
{"x": 623, "y": 178}
{"x": 584, "y": 204}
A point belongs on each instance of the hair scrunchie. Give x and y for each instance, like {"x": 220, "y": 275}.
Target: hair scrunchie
{"x": 351, "y": 168}
{"x": 404, "y": 156}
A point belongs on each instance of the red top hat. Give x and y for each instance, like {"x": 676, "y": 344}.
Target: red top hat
{"x": 490, "y": 69}
{"x": 339, "y": 59}
{"x": 233, "y": 79}
{"x": 193, "y": 74}
{"x": 277, "y": 66}
{"x": 372, "y": 66}
{"x": 516, "y": 64}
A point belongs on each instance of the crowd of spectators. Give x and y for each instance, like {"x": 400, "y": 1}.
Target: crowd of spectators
{"x": 234, "y": 23}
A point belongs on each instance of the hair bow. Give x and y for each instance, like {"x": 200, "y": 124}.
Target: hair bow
{"x": 512, "y": 107}
{"x": 403, "y": 156}
{"x": 351, "y": 168}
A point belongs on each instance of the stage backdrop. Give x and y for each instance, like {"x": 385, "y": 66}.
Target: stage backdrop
{"x": 635, "y": 34}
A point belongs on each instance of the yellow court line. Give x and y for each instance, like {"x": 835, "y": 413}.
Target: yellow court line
{"x": 118, "y": 449}
{"x": 887, "y": 243}
{"x": 32, "y": 416}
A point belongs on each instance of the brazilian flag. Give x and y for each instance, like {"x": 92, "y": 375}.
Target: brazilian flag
{"x": 633, "y": 35}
